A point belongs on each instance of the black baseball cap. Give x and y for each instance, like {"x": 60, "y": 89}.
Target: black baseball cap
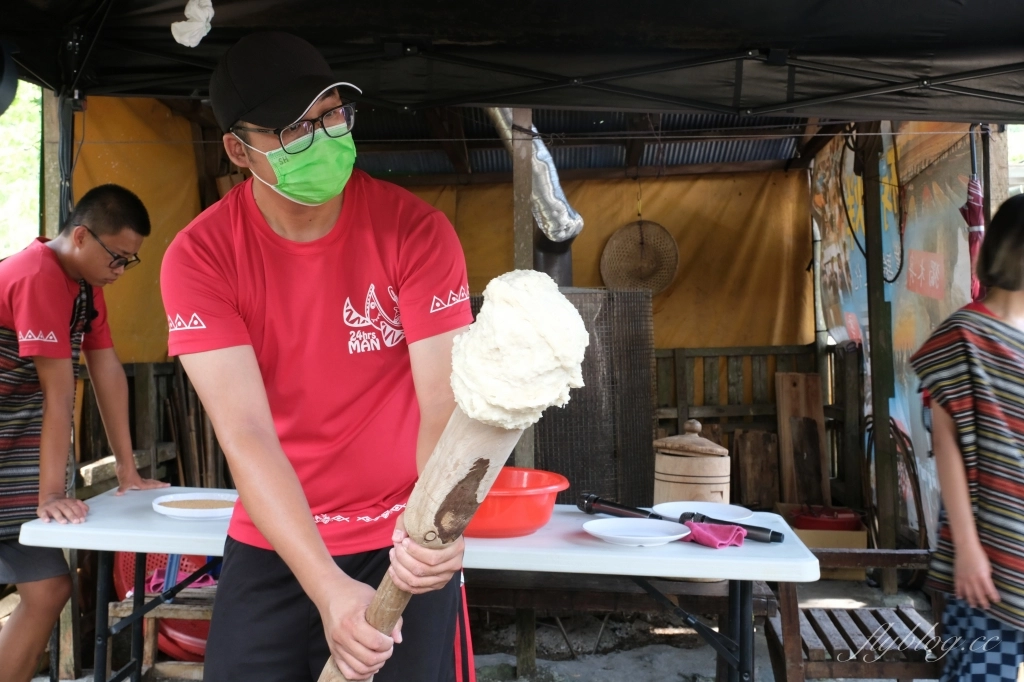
{"x": 270, "y": 79}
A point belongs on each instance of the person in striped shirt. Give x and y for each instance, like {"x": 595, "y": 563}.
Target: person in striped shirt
{"x": 973, "y": 368}
{"x": 51, "y": 310}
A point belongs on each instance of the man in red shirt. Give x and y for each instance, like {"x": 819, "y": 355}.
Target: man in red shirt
{"x": 314, "y": 308}
{"x": 41, "y": 289}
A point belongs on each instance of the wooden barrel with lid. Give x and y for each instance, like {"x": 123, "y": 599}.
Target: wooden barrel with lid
{"x": 690, "y": 467}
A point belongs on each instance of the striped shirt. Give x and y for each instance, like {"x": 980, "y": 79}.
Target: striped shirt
{"x": 973, "y": 366}
{"x": 21, "y": 422}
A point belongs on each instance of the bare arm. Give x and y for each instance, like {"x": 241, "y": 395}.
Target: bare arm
{"x": 414, "y": 568}
{"x": 431, "y": 361}
{"x": 230, "y": 385}
{"x": 111, "y": 388}
{"x": 972, "y": 571}
{"x": 57, "y": 379}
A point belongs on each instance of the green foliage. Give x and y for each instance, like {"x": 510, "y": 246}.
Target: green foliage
{"x": 1015, "y": 142}
{"x": 20, "y": 128}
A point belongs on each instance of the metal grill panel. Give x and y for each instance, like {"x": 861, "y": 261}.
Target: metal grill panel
{"x": 602, "y": 440}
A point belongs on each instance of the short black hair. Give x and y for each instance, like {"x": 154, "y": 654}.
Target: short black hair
{"x": 108, "y": 209}
{"x": 1001, "y": 261}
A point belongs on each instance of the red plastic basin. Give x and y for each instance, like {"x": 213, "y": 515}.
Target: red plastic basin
{"x": 519, "y": 503}
{"x": 825, "y": 518}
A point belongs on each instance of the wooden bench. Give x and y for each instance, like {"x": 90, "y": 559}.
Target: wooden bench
{"x": 527, "y": 593}
{"x": 863, "y": 643}
{"x": 190, "y": 604}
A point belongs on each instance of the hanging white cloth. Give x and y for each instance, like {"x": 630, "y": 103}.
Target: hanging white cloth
{"x": 198, "y": 15}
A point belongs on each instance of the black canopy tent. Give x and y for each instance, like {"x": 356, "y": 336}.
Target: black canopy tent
{"x": 915, "y": 60}
{"x": 832, "y": 61}
{"x": 825, "y": 61}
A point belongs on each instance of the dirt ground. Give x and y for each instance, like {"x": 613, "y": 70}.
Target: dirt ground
{"x": 649, "y": 647}
{"x": 645, "y": 647}
{"x": 634, "y": 647}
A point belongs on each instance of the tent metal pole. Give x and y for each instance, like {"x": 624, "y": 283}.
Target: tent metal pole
{"x": 885, "y": 78}
{"x": 980, "y": 94}
{"x": 901, "y": 86}
{"x": 92, "y": 44}
{"x": 595, "y": 82}
{"x": 667, "y": 99}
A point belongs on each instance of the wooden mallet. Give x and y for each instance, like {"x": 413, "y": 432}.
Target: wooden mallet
{"x": 462, "y": 468}
{"x": 528, "y": 342}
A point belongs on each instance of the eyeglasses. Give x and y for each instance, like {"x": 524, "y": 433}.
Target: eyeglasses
{"x": 119, "y": 260}
{"x": 298, "y": 137}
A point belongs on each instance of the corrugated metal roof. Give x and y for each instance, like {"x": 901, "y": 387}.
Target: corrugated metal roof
{"x": 720, "y": 121}
{"x": 597, "y": 156}
{"x": 376, "y": 123}
{"x": 490, "y": 161}
{"x": 718, "y": 151}
{"x": 404, "y": 163}
{"x": 566, "y": 158}
{"x": 476, "y": 123}
{"x": 382, "y": 124}
{"x": 571, "y": 122}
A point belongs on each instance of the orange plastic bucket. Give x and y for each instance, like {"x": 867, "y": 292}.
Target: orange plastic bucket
{"x": 519, "y": 503}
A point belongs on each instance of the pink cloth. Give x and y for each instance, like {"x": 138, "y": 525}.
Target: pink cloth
{"x": 155, "y": 582}
{"x": 715, "y": 535}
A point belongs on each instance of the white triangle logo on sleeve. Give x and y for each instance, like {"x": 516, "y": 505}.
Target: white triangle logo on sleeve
{"x": 37, "y": 336}
{"x": 454, "y": 298}
{"x": 178, "y": 324}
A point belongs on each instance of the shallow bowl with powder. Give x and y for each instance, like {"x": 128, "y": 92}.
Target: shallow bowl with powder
{"x": 199, "y": 505}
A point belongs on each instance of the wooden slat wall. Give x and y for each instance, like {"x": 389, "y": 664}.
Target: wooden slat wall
{"x": 735, "y": 389}
{"x": 733, "y": 386}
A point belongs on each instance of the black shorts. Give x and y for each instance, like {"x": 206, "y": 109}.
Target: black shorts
{"x": 265, "y": 628}
{"x": 25, "y": 564}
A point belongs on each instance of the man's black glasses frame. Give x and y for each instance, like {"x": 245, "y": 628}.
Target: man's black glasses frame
{"x": 303, "y": 129}
{"x": 119, "y": 260}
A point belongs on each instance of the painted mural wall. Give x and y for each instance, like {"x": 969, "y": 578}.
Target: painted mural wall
{"x": 924, "y": 174}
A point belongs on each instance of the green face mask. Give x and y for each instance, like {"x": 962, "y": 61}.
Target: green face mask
{"x": 316, "y": 175}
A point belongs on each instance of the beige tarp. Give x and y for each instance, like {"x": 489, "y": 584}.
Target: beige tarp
{"x": 744, "y": 239}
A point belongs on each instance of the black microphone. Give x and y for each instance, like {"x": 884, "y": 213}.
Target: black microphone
{"x": 758, "y": 533}
{"x": 592, "y": 504}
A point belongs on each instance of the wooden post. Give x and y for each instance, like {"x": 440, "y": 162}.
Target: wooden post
{"x": 996, "y": 170}
{"x": 789, "y": 612}
{"x": 146, "y": 416}
{"x": 522, "y": 257}
{"x": 821, "y": 346}
{"x": 70, "y": 663}
{"x": 850, "y": 361}
{"x": 50, "y": 167}
{"x": 522, "y": 189}
{"x": 880, "y": 346}
{"x": 522, "y": 230}
{"x": 526, "y": 643}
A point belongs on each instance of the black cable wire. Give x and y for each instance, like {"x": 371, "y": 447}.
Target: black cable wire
{"x": 901, "y": 217}
{"x": 842, "y": 195}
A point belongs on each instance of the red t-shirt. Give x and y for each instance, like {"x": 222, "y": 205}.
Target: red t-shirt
{"x": 37, "y": 299}
{"x": 330, "y": 322}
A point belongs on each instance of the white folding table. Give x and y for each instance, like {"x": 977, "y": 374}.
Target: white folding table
{"x": 129, "y": 524}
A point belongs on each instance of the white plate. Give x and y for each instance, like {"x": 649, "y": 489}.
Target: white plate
{"x": 716, "y": 510}
{"x": 636, "y": 532}
{"x": 194, "y": 514}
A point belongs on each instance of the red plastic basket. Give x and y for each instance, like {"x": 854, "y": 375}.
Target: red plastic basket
{"x": 183, "y": 640}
